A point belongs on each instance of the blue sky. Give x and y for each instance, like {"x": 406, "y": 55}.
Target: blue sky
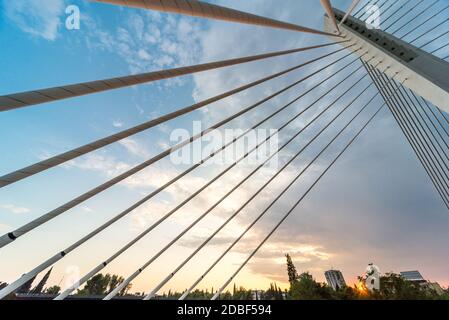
{"x": 377, "y": 204}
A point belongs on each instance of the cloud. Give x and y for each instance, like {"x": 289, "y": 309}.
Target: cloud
{"x": 14, "y": 209}
{"x": 4, "y": 227}
{"x": 117, "y": 124}
{"x": 163, "y": 145}
{"x": 38, "y": 18}
{"x": 368, "y": 202}
{"x": 140, "y": 44}
{"x": 183, "y": 188}
{"x": 143, "y": 54}
{"x": 106, "y": 165}
{"x": 270, "y": 262}
{"x": 146, "y": 214}
{"x": 135, "y": 148}
{"x": 87, "y": 209}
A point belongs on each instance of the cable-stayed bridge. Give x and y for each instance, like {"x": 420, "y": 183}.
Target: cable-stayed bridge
{"x": 377, "y": 67}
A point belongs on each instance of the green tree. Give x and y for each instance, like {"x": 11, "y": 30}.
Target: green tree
{"x": 445, "y": 295}
{"x": 273, "y": 293}
{"x": 97, "y": 285}
{"x": 114, "y": 282}
{"x": 291, "y": 270}
{"x": 395, "y": 287}
{"x": 198, "y": 295}
{"x": 346, "y": 293}
{"x": 54, "y": 290}
{"x": 241, "y": 294}
{"x": 103, "y": 284}
{"x": 125, "y": 290}
{"x": 306, "y": 288}
{"x": 225, "y": 296}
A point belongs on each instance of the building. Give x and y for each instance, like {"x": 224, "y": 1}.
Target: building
{"x": 416, "y": 277}
{"x": 413, "y": 276}
{"x": 335, "y": 279}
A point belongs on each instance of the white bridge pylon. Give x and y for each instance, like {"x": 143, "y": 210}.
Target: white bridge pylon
{"x": 426, "y": 74}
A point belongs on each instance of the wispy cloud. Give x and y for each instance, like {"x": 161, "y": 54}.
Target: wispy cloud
{"x": 139, "y": 41}
{"x": 38, "y": 18}
{"x": 14, "y": 209}
{"x": 270, "y": 262}
{"x": 87, "y": 209}
{"x": 106, "y": 165}
{"x": 117, "y": 124}
{"x": 135, "y": 148}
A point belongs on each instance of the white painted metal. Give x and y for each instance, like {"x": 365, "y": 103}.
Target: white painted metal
{"x": 349, "y": 11}
{"x": 210, "y": 11}
{"x": 328, "y": 8}
{"x": 427, "y": 75}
